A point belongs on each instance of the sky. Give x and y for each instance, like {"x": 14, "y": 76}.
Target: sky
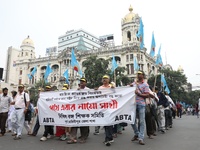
{"x": 174, "y": 22}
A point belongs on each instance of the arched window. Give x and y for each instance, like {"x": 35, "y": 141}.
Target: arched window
{"x": 129, "y": 36}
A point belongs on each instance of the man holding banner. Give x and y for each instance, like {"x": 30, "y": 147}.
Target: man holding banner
{"x": 48, "y": 129}
{"x": 108, "y": 129}
{"x": 82, "y": 108}
{"x": 84, "y": 130}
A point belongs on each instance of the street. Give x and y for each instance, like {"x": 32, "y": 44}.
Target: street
{"x": 185, "y": 135}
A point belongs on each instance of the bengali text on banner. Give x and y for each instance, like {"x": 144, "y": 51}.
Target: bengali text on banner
{"x": 87, "y": 107}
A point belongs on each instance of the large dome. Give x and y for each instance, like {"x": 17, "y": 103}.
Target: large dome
{"x": 129, "y": 17}
{"x": 27, "y": 42}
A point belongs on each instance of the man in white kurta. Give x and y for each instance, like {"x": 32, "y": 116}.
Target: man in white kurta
{"x": 21, "y": 108}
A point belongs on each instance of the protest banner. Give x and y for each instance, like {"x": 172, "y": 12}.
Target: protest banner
{"x": 87, "y": 107}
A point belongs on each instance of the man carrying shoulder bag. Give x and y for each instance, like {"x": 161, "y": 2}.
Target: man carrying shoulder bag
{"x": 21, "y": 109}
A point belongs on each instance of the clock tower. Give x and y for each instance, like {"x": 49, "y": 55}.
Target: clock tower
{"x": 130, "y": 24}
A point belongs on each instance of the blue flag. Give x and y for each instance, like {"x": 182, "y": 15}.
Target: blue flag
{"x": 47, "y": 72}
{"x": 164, "y": 84}
{"x": 30, "y": 76}
{"x": 135, "y": 64}
{"x": 114, "y": 64}
{"x": 140, "y": 34}
{"x": 75, "y": 64}
{"x": 153, "y": 46}
{"x": 66, "y": 75}
{"x": 159, "y": 58}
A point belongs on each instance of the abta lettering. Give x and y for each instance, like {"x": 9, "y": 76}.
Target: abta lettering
{"x": 123, "y": 117}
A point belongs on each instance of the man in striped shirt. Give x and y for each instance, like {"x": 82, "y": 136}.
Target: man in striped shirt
{"x": 142, "y": 92}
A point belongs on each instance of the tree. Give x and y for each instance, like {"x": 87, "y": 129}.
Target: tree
{"x": 176, "y": 82}
{"x": 34, "y": 93}
{"x": 193, "y": 97}
{"x": 95, "y": 69}
{"x": 121, "y": 79}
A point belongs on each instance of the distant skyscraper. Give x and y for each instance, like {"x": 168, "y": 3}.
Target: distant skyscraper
{"x": 79, "y": 39}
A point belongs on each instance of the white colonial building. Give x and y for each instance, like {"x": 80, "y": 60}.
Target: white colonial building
{"x": 21, "y": 62}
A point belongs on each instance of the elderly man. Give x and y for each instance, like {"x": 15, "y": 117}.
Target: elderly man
{"x": 21, "y": 104}
{"x": 5, "y": 101}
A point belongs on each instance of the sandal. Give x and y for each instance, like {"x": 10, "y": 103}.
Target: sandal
{"x": 14, "y": 134}
{"x": 119, "y": 132}
{"x": 71, "y": 141}
{"x": 135, "y": 138}
{"x": 82, "y": 141}
{"x": 114, "y": 135}
{"x": 150, "y": 137}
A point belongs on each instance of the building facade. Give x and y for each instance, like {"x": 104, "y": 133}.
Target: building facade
{"x": 21, "y": 62}
{"x": 79, "y": 39}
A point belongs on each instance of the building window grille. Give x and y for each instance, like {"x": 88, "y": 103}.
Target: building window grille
{"x": 131, "y": 57}
{"x": 129, "y": 36}
{"x": 127, "y": 58}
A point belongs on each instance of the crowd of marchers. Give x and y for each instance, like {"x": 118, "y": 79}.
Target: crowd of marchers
{"x": 155, "y": 111}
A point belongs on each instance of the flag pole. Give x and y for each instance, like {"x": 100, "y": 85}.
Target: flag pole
{"x": 70, "y": 71}
{"x": 155, "y": 82}
{"x": 115, "y": 77}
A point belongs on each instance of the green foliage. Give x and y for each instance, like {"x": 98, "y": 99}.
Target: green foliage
{"x": 193, "y": 97}
{"x": 176, "y": 82}
{"x": 121, "y": 78}
{"x": 96, "y": 68}
{"x": 34, "y": 91}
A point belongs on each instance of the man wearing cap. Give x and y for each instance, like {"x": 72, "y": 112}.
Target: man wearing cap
{"x": 66, "y": 86}
{"x": 5, "y": 101}
{"x": 21, "y": 104}
{"x": 108, "y": 129}
{"x": 48, "y": 129}
{"x": 48, "y": 88}
{"x": 142, "y": 92}
{"x": 61, "y": 131}
{"x": 105, "y": 80}
{"x": 83, "y": 130}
